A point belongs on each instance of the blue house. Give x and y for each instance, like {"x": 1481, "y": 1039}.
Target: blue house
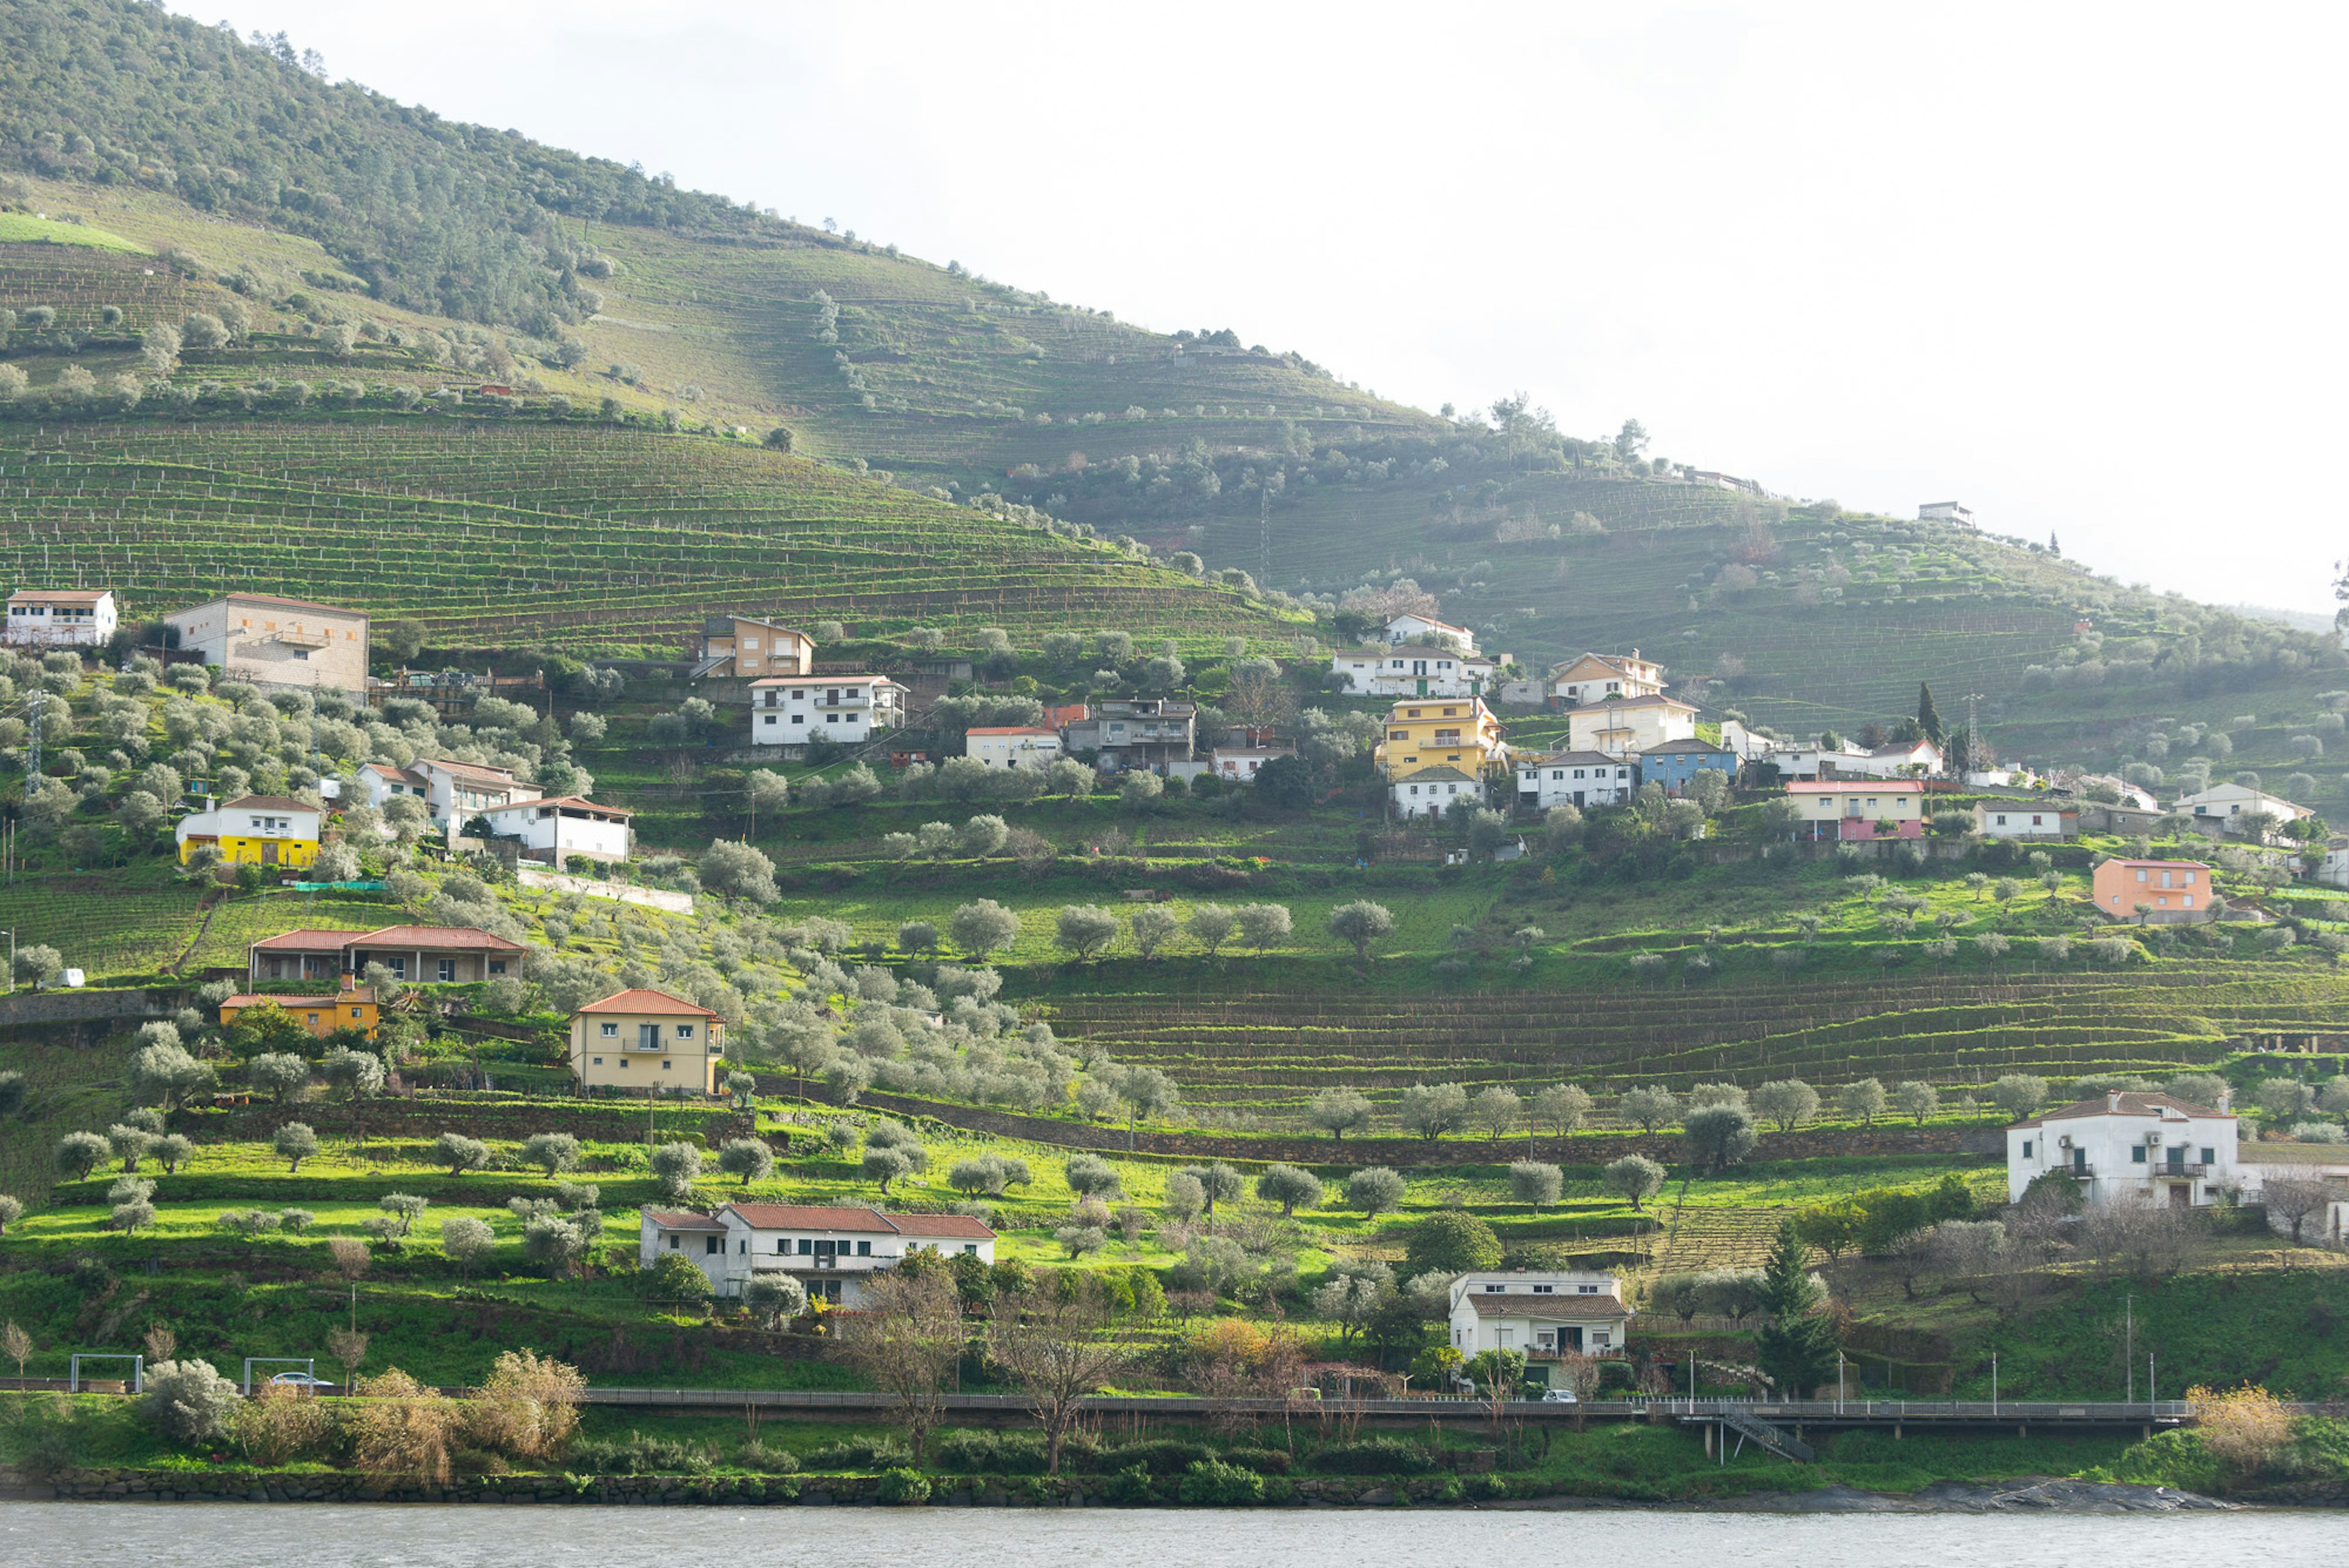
{"x": 1675, "y": 763}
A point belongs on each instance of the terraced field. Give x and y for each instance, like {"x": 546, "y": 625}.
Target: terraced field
{"x": 1268, "y": 1050}
{"x": 591, "y": 539}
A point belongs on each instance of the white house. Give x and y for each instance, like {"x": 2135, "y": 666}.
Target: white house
{"x": 830, "y": 1250}
{"x": 455, "y": 793}
{"x": 1404, "y": 628}
{"x": 1595, "y": 677}
{"x": 2223, "y": 808}
{"x": 255, "y": 829}
{"x": 1945, "y": 512}
{"x": 791, "y": 711}
{"x": 1431, "y": 791}
{"x": 1860, "y": 810}
{"x": 1238, "y": 765}
{"x": 1625, "y": 726}
{"x": 1576, "y": 778}
{"x": 60, "y": 618}
{"x": 1015, "y": 746}
{"x": 2328, "y": 865}
{"x": 2129, "y": 1147}
{"x": 1402, "y": 672}
{"x": 379, "y": 782}
{"x": 1546, "y": 1315}
{"x": 2025, "y": 819}
{"x": 555, "y": 829}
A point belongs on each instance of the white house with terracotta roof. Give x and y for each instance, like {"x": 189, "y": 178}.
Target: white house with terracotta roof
{"x": 455, "y": 793}
{"x": 830, "y": 1250}
{"x": 646, "y": 1042}
{"x": 275, "y": 641}
{"x": 379, "y": 782}
{"x": 791, "y": 711}
{"x": 1030, "y": 746}
{"x": 1596, "y": 677}
{"x": 2025, "y": 819}
{"x": 1576, "y": 778}
{"x": 2123, "y": 1148}
{"x": 2230, "y": 808}
{"x": 1430, "y": 792}
{"x": 1573, "y": 1312}
{"x": 59, "y": 617}
{"x": 555, "y": 829}
{"x": 1397, "y": 671}
{"x": 1626, "y": 726}
{"x": 1405, "y": 628}
{"x": 428, "y": 955}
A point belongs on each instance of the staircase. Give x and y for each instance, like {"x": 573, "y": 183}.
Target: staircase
{"x": 1770, "y": 1439}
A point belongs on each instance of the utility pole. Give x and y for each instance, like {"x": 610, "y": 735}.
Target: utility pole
{"x": 1973, "y": 730}
{"x": 2129, "y": 1353}
{"x": 33, "y": 737}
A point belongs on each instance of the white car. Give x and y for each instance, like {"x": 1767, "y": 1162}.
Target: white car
{"x": 1559, "y": 1397}
{"x": 301, "y": 1380}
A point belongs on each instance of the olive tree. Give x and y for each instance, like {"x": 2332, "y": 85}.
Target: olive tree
{"x": 1634, "y": 1178}
{"x": 1917, "y": 1100}
{"x": 1362, "y": 925}
{"x": 460, "y": 1153}
{"x": 294, "y": 1142}
{"x": 1375, "y": 1190}
{"x": 747, "y": 1159}
{"x": 1262, "y": 926}
{"x": 1339, "y": 1112}
{"x": 1289, "y": 1186}
{"x": 552, "y": 1152}
{"x": 466, "y": 1241}
{"x": 983, "y": 928}
{"x": 1534, "y": 1184}
{"x": 188, "y": 1401}
{"x": 676, "y": 1166}
{"x": 1088, "y": 931}
{"x": 280, "y": 1074}
{"x": 1210, "y": 926}
{"x": 1431, "y": 1110}
{"x": 1651, "y": 1106}
{"x": 1789, "y": 1101}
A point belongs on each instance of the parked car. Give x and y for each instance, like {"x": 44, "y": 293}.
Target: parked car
{"x": 302, "y": 1380}
{"x": 1559, "y": 1397}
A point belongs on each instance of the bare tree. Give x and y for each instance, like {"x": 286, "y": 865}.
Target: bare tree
{"x": 1050, "y": 1344}
{"x": 908, "y": 1338}
{"x": 2294, "y": 1199}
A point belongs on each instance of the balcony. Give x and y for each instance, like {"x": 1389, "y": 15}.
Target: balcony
{"x": 2180, "y": 1171}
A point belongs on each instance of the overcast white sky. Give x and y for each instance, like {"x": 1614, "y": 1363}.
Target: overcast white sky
{"x": 2076, "y": 266}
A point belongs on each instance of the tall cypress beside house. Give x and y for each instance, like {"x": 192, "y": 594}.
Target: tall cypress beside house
{"x": 1927, "y": 719}
{"x": 1797, "y": 1349}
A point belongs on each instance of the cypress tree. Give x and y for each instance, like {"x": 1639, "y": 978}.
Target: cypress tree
{"x": 1928, "y": 719}
{"x": 1796, "y": 1348}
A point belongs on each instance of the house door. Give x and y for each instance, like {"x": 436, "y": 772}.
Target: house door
{"x": 2180, "y": 1195}
{"x": 1570, "y": 1341}
{"x": 1422, "y": 689}
{"x": 1578, "y": 797}
{"x": 2079, "y": 1162}
{"x": 269, "y": 855}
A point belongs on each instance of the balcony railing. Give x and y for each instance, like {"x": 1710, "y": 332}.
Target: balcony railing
{"x": 2182, "y": 1168}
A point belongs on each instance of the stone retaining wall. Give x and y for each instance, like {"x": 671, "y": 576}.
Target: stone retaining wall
{"x": 603, "y": 1121}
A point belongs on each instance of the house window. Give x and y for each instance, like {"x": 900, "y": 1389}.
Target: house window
{"x": 624, "y": 1063}
{"x": 1545, "y": 1290}
{"x": 648, "y": 1036}
{"x": 448, "y": 970}
{"x": 664, "y": 1063}
{"x": 1494, "y": 1289}
{"x": 807, "y": 1247}
{"x": 611, "y": 1030}
{"x": 864, "y": 1249}
{"x": 770, "y": 718}
{"x": 673, "y": 1241}
{"x": 832, "y": 718}
{"x": 599, "y": 1061}
{"x": 2136, "y": 1153}
{"x": 685, "y": 1030}
{"x": 711, "y": 1245}
{"x": 1586, "y": 1290}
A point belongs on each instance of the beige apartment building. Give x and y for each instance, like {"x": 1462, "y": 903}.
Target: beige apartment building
{"x": 274, "y": 641}
{"x": 734, "y": 645}
{"x": 646, "y": 1041}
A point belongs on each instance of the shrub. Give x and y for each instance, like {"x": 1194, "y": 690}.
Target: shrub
{"x": 460, "y": 1153}
{"x": 1374, "y": 1457}
{"x": 1218, "y": 1485}
{"x": 1375, "y": 1189}
{"x": 903, "y": 1488}
{"x": 1451, "y": 1240}
{"x": 188, "y": 1401}
{"x": 551, "y": 1152}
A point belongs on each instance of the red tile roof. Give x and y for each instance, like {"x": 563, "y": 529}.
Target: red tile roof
{"x": 2132, "y": 1104}
{"x": 274, "y": 599}
{"x": 670, "y": 1222}
{"x": 1845, "y": 787}
{"x": 647, "y": 1001}
{"x": 468, "y": 770}
{"x": 60, "y": 595}
{"x": 941, "y": 1225}
{"x": 364, "y": 994}
{"x": 266, "y": 802}
{"x": 307, "y": 941}
{"x": 559, "y": 800}
{"x": 1011, "y": 730}
{"x": 434, "y": 936}
{"x": 810, "y": 1216}
{"x": 1523, "y": 1303}
{"x": 385, "y": 770}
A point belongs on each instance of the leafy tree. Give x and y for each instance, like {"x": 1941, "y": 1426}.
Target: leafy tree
{"x": 728, "y": 866}
{"x": 553, "y": 1243}
{"x": 774, "y": 1299}
{"x": 39, "y": 964}
{"x": 1339, "y": 1112}
{"x": 359, "y": 1075}
{"x": 1139, "y": 790}
{"x": 885, "y": 1166}
{"x": 551, "y": 1151}
{"x": 1153, "y": 926}
{"x": 983, "y": 928}
{"x": 2018, "y": 1094}
{"x": 466, "y": 1241}
{"x": 1262, "y": 926}
{"x": 1288, "y": 1186}
{"x": 982, "y": 837}
{"x": 279, "y": 1075}
{"x": 1286, "y": 783}
{"x": 1451, "y": 1241}
{"x": 677, "y": 1167}
{"x": 1362, "y": 925}
{"x": 1864, "y": 1099}
{"x": 1375, "y": 1190}
{"x": 1432, "y": 1110}
{"x": 1088, "y": 931}
{"x": 1186, "y": 1196}
{"x": 1650, "y": 1107}
{"x": 164, "y": 1072}
{"x": 1789, "y": 1101}
{"x": 295, "y": 1143}
{"x": 1917, "y": 1100}
{"x": 1211, "y": 926}
{"x": 80, "y": 1153}
{"x": 1498, "y": 1108}
{"x": 2285, "y": 1100}
{"x": 1635, "y": 1178}
{"x": 1719, "y": 1136}
{"x": 1535, "y": 1184}
{"x": 1565, "y": 1106}
{"x": 747, "y": 1159}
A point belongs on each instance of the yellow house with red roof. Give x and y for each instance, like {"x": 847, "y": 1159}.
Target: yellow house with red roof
{"x": 645, "y": 1041}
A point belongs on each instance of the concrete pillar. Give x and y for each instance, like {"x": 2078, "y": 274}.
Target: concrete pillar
{"x": 1896, "y": 1431}
{"x": 1708, "y": 1439}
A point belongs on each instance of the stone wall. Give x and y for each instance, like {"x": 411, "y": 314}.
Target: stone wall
{"x": 603, "y": 1121}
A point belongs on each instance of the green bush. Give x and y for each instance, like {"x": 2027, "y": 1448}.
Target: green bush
{"x": 637, "y": 1455}
{"x": 903, "y": 1488}
{"x": 1263, "y": 1461}
{"x": 1486, "y": 1489}
{"x": 1217, "y": 1484}
{"x": 996, "y": 1453}
{"x": 861, "y": 1454}
{"x": 1374, "y": 1457}
{"x": 1131, "y": 1485}
{"x": 1164, "y": 1456}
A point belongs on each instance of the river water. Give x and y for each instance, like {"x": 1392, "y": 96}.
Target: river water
{"x": 234, "y": 1535}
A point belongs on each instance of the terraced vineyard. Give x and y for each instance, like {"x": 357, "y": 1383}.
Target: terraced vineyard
{"x": 593, "y": 538}
{"x": 1269, "y": 1050}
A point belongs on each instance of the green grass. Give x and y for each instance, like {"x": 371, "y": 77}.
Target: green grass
{"x": 18, "y": 228}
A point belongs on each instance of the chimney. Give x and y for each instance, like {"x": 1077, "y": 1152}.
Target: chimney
{"x": 2226, "y": 1102}
{"x": 350, "y": 983}
{"x": 2113, "y": 1101}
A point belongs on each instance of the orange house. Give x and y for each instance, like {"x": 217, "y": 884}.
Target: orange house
{"x": 353, "y": 1007}
{"x": 2160, "y": 892}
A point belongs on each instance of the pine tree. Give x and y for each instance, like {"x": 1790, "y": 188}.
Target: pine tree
{"x": 1928, "y": 719}
{"x": 1797, "y": 1349}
